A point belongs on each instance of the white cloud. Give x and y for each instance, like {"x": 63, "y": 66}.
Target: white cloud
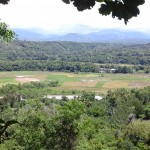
{"x": 54, "y": 15}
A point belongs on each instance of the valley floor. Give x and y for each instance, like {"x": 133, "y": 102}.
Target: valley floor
{"x": 82, "y": 81}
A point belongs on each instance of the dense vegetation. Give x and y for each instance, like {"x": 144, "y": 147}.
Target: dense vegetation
{"x": 73, "y": 57}
{"x": 40, "y": 65}
{"x": 27, "y": 90}
{"x": 30, "y": 121}
{"x": 119, "y": 121}
{"x": 76, "y": 52}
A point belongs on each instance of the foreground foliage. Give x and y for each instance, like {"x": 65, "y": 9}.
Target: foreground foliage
{"x": 119, "y": 121}
{"x": 6, "y": 34}
{"x": 122, "y": 9}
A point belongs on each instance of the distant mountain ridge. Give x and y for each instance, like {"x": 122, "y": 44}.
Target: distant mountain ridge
{"x": 107, "y": 35}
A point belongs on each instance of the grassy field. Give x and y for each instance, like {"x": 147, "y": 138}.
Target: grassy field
{"x": 81, "y": 81}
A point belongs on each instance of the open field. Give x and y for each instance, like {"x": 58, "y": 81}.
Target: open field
{"x": 81, "y": 81}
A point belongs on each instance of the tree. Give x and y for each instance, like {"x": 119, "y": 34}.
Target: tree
{"x": 139, "y": 134}
{"x": 66, "y": 125}
{"x": 3, "y": 127}
{"x": 5, "y": 33}
{"x": 122, "y": 9}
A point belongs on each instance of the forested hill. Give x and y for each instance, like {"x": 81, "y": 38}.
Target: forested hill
{"x": 76, "y": 52}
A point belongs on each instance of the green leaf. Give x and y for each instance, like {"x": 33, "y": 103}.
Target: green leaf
{"x": 134, "y": 2}
{"x": 2, "y": 121}
{"x": 12, "y": 122}
{"x": 66, "y": 1}
{"x": 100, "y": 0}
{"x": 104, "y": 9}
{"x": 133, "y": 10}
{"x": 4, "y": 1}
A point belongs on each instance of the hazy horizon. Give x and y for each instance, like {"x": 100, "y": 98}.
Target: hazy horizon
{"x": 58, "y": 17}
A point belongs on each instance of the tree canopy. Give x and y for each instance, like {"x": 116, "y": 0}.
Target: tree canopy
{"x": 122, "y": 9}
{"x": 5, "y": 33}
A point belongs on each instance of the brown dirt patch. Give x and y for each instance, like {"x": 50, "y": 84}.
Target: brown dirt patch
{"x": 25, "y": 79}
{"x": 80, "y": 84}
{"x": 139, "y": 84}
{"x": 115, "y": 85}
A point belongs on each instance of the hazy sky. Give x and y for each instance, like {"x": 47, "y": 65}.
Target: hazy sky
{"x": 55, "y": 16}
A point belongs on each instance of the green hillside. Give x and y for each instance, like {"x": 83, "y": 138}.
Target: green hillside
{"x": 76, "y": 52}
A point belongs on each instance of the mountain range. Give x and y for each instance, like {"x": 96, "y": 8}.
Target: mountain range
{"x": 106, "y": 35}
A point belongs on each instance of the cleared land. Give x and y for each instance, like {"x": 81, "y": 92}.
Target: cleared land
{"x": 81, "y": 81}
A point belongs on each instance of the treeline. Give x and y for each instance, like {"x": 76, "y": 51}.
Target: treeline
{"x": 102, "y": 53}
{"x": 36, "y": 65}
{"x": 27, "y": 90}
{"x": 121, "y": 120}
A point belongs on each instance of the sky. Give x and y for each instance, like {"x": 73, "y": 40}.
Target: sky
{"x": 54, "y": 16}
